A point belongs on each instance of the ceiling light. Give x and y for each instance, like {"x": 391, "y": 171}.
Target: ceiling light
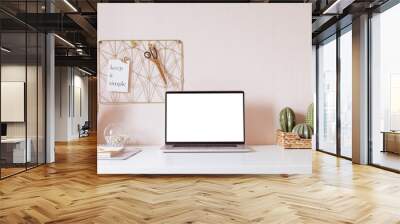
{"x": 80, "y": 51}
{"x": 338, "y": 6}
{"x": 329, "y": 9}
{"x": 5, "y": 50}
{"x": 64, "y": 40}
{"x": 70, "y": 5}
{"x": 84, "y": 71}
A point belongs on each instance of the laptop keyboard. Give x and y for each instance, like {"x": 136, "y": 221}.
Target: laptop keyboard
{"x": 205, "y": 146}
{"x": 207, "y": 149}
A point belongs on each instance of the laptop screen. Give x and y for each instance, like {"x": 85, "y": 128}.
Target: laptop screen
{"x": 204, "y": 117}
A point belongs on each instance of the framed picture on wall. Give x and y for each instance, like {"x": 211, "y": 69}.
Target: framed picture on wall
{"x": 139, "y": 71}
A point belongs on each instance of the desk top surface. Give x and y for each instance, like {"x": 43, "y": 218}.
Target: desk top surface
{"x": 391, "y": 132}
{"x": 265, "y": 159}
{"x": 13, "y": 140}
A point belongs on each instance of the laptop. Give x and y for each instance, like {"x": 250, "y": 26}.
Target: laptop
{"x": 204, "y": 121}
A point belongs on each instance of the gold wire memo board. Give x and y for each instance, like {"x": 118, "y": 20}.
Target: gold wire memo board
{"x": 152, "y": 67}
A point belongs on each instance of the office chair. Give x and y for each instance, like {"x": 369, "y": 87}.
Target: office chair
{"x": 84, "y": 130}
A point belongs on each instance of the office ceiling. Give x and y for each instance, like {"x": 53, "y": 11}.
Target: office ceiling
{"x": 76, "y": 21}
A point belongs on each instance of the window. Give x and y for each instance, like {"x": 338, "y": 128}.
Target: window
{"x": 335, "y": 94}
{"x": 327, "y": 96}
{"x": 346, "y": 93}
{"x": 385, "y": 89}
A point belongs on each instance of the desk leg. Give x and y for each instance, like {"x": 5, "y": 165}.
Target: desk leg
{"x": 384, "y": 142}
{"x": 19, "y": 153}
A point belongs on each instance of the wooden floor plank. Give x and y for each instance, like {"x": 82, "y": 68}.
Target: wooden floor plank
{"x": 70, "y": 191}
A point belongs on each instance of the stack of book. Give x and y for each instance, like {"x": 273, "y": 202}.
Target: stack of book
{"x": 107, "y": 152}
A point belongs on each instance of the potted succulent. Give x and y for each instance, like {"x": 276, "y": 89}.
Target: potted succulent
{"x": 291, "y": 135}
{"x": 310, "y": 122}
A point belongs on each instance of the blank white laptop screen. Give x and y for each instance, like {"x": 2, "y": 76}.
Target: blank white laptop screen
{"x": 204, "y": 117}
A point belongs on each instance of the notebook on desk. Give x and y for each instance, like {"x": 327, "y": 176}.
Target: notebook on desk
{"x": 122, "y": 155}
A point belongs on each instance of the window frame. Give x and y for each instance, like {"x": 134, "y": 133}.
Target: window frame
{"x": 334, "y": 37}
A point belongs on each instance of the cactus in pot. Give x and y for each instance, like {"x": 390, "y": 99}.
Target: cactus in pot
{"x": 303, "y": 130}
{"x": 310, "y": 116}
{"x": 286, "y": 119}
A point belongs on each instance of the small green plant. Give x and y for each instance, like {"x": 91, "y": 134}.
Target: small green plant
{"x": 303, "y": 130}
{"x": 287, "y": 119}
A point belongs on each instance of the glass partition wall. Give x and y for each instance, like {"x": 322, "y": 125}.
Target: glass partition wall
{"x": 334, "y": 83}
{"x": 385, "y": 89}
{"x": 22, "y": 77}
{"x": 13, "y": 85}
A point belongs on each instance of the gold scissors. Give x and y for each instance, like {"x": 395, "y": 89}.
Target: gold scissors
{"x": 152, "y": 55}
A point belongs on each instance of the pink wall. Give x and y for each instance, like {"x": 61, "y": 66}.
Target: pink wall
{"x": 257, "y": 48}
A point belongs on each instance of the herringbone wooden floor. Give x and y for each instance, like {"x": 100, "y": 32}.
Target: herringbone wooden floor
{"x": 69, "y": 191}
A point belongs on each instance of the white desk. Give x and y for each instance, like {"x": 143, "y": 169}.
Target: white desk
{"x": 266, "y": 159}
{"x": 18, "y": 153}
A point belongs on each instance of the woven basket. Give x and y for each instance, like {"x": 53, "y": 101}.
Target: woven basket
{"x": 290, "y": 140}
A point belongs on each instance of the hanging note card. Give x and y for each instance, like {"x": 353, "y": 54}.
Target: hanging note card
{"x": 118, "y": 76}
